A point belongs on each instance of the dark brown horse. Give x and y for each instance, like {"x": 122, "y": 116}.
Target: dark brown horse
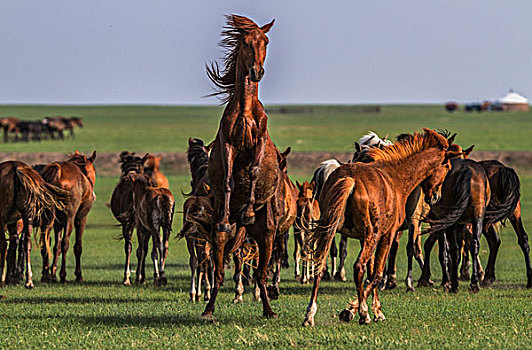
{"x": 504, "y": 204}
{"x": 367, "y": 202}
{"x": 9, "y": 124}
{"x": 152, "y": 168}
{"x": 24, "y": 195}
{"x": 243, "y": 166}
{"x": 154, "y": 210}
{"x": 76, "y": 175}
{"x": 465, "y": 196}
{"x": 122, "y": 204}
{"x": 197, "y": 221}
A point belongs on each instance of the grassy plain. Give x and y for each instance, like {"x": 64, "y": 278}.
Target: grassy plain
{"x": 323, "y": 128}
{"x": 101, "y": 313}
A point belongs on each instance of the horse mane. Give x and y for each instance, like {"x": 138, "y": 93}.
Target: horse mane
{"x": 78, "y": 159}
{"x": 232, "y": 35}
{"x": 371, "y": 139}
{"x": 198, "y": 159}
{"x": 408, "y": 146}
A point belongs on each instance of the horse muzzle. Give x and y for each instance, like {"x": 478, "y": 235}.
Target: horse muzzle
{"x": 256, "y": 74}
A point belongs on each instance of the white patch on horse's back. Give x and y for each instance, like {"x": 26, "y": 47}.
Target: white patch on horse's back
{"x": 371, "y": 139}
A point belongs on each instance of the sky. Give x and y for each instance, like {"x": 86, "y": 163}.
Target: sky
{"x": 154, "y": 52}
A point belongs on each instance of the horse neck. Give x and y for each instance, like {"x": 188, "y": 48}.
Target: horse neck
{"x": 410, "y": 172}
{"x": 246, "y": 91}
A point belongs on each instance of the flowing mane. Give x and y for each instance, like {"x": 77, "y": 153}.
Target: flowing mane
{"x": 409, "y": 146}
{"x": 232, "y": 36}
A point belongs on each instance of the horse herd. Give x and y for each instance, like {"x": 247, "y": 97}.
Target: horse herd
{"x": 36, "y": 130}
{"x": 242, "y": 204}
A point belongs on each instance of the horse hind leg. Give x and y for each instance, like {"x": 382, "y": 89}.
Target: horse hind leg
{"x": 340, "y": 270}
{"x": 424, "y": 280}
{"x": 65, "y": 243}
{"x": 3, "y": 252}
{"x": 237, "y": 277}
{"x": 80, "y": 225}
{"x": 494, "y": 243}
{"x": 522, "y": 239}
{"x": 193, "y": 264}
{"x": 28, "y": 227}
{"x": 127, "y": 231}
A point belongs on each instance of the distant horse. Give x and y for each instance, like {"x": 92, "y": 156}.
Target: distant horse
{"x": 367, "y": 201}
{"x": 76, "y": 175}
{"x": 243, "y": 165}
{"x": 465, "y": 196}
{"x": 26, "y": 196}
{"x": 122, "y": 204}
{"x": 152, "y": 169}
{"x": 154, "y": 210}
{"x": 451, "y": 106}
{"x": 9, "y": 124}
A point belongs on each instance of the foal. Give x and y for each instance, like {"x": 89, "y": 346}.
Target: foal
{"x": 122, "y": 203}
{"x": 154, "y": 209}
{"x": 152, "y": 169}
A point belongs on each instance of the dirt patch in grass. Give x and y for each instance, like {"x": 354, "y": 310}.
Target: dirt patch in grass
{"x": 298, "y": 162}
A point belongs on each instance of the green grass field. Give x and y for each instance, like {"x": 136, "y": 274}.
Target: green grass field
{"x": 157, "y": 129}
{"x": 101, "y": 313}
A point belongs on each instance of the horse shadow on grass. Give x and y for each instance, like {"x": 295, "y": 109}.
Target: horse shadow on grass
{"x": 80, "y": 300}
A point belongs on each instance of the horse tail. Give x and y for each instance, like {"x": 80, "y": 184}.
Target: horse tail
{"x": 452, "y": 212}
{"x": 503, "y": 203}
{"x": 166, "y": 205}
{"x": 334, "y": 204}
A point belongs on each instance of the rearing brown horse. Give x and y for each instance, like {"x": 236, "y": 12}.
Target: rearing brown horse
{"x": 243, "y": 166}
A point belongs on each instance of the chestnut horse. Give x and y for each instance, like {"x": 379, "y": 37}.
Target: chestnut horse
{"x": 367, "y": 202}
{"x": 243, "y": 165}
{"x": 152, "y": 169}
{"x": 24, "y": 195}
{"x": 76, "y": 175}
{"x": 122, "y": 204}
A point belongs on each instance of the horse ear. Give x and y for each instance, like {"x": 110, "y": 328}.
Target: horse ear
{"x": 357, "y": 147}
{"x": 452, "y": 155}
{"x": 266, "y": 28}
{"x": 451, "y": 139}
{"x": 92, "y": 157}
{"x": 298, "y": 184}
{"x": 312, "y": 185}
{"x": 160, "y": 157}
{"x": 206, "y": 187}
{"x": 467, "y": 151}
{"x": 145, "y": 158}
{"x": 286, "y": 151}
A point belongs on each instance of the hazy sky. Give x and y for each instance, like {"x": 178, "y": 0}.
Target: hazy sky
{"x": 124, "y": 51}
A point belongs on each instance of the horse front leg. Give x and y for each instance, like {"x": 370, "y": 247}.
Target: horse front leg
{"x": 65, "y": 243}
{"x": 3, "y": 252}
{"x": 164, "y": 254}
{"x": 219, "y": 240}
{"x": 12, "y": 275}
{"x": 298, "y": 245}
{"x": 424, "y": 280}
{"x": 409, "y": 281}
{"x": 248, "y": 215}
{"x": 391, "y": 271}
{"x": 156, "y": 254}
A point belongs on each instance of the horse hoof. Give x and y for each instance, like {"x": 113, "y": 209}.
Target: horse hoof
{"x": 326, "y": 276}
{"x": 379, "y": 318}
{"x": 487, "y": 282}
{"x": 206, "y": 297}
{"x": 425, "y": 282}
{"x": 464, "y": 277}
{"x": 454, "y": 290}
{"x": 391, "y": 284}
{"x": 29, "y": 285}
{"x": 221, "y": 227}
{"x": 247, "y": 219}
{"x": 79, "y": 280}
{"x": 346, "y": 315}
{"x": 364, "y": 320}
{"x": 285, "y": 264}
{"x": 207, "y": 315}
{"x": 238, "y": 299}
{"x": 163, "y": 281}
{"x": 410, "y": 289}
{"x": 340, "y": 277}
{"x": 474, "y": 288}
{"x": 270, "y": 314}
{"x": 309, "y": 321}
{"x": 127, "y": 282}
{"x": 447, "y": 287}
{"x": 297, "y": 278}
{"x": 273, "y": 292}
